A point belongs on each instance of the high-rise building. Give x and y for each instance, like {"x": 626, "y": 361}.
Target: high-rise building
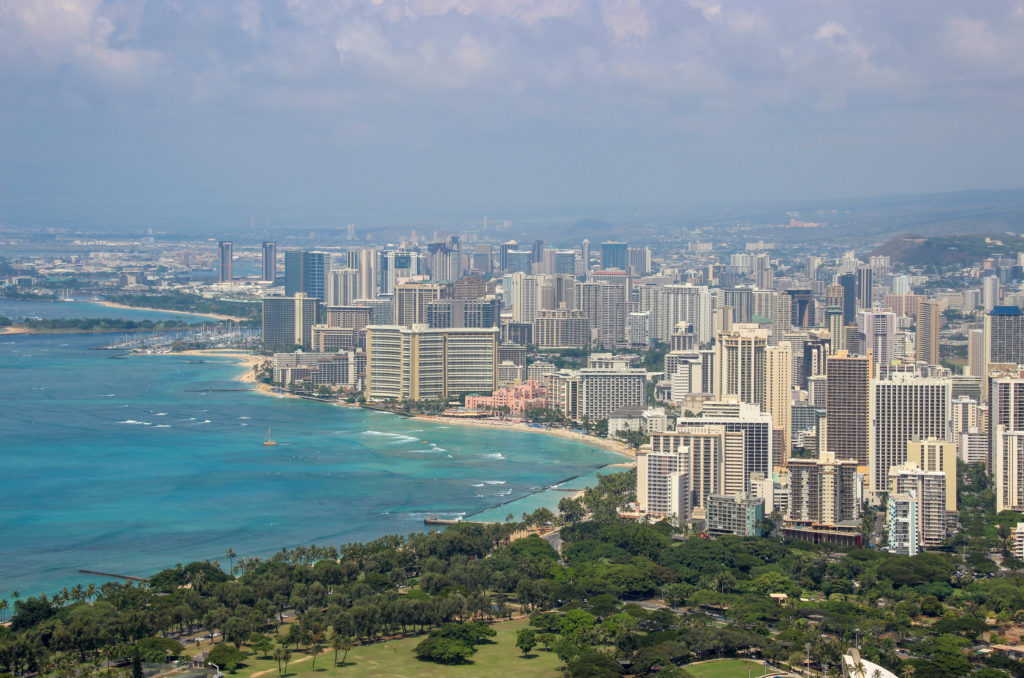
{"x": 936, "y": 455}
{"x": 834, "y": 325}
{"x": 834, "y": 295}
{"x": 225, "y": 252}
{"x": 905, "y": 408}
{"x": 929, "y": 490}
{"x": 639, "y": 260}
{"x": 782, "y": 317}
{"x": 824, "y": 490}
{"x": 902, "y": 524}
{"x": 1006, "y": 437}
{"x": 614, "y": 255}
{"x": 865, "y": 292}
{"x": 848, "y": 282}
{"x": 741, "y": 301}
{"x": 778, "y": 369}
{"x": 1004, "y": 336}
{"x": 700, "y": 455}
{"x": 585, "y": 255}
{"x": 603, "y": 391}
{"x": 342, "y": 286}
{"x": 848, "y": 411}
{"x": 737, "y": 514}
{"x": 757, "y": 454}
{"x": 268, "y": 270}
{"x": 740, "y": 366}
{"x": 565, "y": 262}
{"x": 990, "y": 292}
{"x": 976, "y": 350}
{"x": 288, "y": 322}
{"x": 802, "y": 307}
{"x": 929, "y": 319}
{"x": 419, "y": 363}
{"x": 305, "y": 272}
{"x": 411, "y": 301}
{"x": 879, "y": 330}
{"x": 503, "y": 250}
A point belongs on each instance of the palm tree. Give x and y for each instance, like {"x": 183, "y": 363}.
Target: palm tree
{"x": 90, "y": 592}
{"x": 230, "y": 555}
{"x": 3, "y": 614}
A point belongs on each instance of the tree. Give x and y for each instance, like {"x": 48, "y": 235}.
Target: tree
{"x": 286, "y": 656}
{"x": 526, "y": 640}
{"x": 443, "y": 650}
{"x": 230, "y": 555}
{"x": 226, "y": 656}
{"x": 340, "y": 643}
{"x": 136, "y": 663}
{"x": 278, "y": 657}
{"x": 315, "y": 650}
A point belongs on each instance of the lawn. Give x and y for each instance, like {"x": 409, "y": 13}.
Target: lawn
{"x": 395, "y": 658}
{"x": 725, "y": 668}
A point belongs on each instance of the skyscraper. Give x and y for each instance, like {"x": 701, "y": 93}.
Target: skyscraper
{"x": 342, "y": 286}
{"x": 614, "y": 254}
{"x": 225, "y": 251}
{"x": 740, "y": 367}
{"x": 288, "y": 321}
{"x": 879, "y": 330}
{"x": 1004, "y": 336}
{"x": 905, "y": 408}
{"x": 865, "y": 291}
{"x": 269, "y": 268}
{"x": 928, "y": 323}
{"x": 803, "y": 307}
{"x": 778, "y": 368}
{"x": 848, "y": 412}
{"x": 304, "y": 272}
{"x": 848, "y": 282}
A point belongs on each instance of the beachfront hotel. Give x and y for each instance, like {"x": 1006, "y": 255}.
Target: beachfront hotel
{"x": 420, "y": 363}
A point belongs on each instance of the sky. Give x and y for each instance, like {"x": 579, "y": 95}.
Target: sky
{"x": 307, "y": 110}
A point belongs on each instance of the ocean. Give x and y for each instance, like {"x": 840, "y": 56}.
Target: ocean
{"x": 130, "y": 464}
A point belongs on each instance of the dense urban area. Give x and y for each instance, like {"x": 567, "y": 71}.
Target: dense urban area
{"x": 826, "y": 445}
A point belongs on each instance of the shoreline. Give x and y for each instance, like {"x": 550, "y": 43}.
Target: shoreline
{"x": 217, "y": 316}
{"x": 248, "y": 376}
{"x": 566, "y": 434}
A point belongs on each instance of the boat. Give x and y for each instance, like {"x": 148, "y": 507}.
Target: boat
{"x": 268, "y": 441}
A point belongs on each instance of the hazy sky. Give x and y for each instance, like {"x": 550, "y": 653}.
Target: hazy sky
{"x": 313, "y": 107}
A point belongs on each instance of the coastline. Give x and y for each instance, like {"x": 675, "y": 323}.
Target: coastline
{"x": 566, "y": 434}
{"x": 248, "y": 376}
{"x": 111, "y": 304}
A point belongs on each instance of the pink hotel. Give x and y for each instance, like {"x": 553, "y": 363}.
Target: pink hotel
{"x": 517, "y": 399}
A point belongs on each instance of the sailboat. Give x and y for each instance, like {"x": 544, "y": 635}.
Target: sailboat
{"x": 268, "y": 441}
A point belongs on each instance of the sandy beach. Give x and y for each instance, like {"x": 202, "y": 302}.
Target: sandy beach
{"x": 111, "y": 304}
{"x": 15, "y": 330}
{"x": 500, "y": 424}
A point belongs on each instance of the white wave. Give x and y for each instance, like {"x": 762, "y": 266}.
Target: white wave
{"x": 245, "y": 417}
{"x": 397, "y": 437}
{"x": 494, "y": 482}
{"x": 205, "y": 421}
{"x": 505, "y": 493}
{"x": 426, "y": 451}
{"x": 495, "y": 455}
{"x": 160, "y": 414}
{"x": 162, "y": 426}
{"x": 132, "y": 421}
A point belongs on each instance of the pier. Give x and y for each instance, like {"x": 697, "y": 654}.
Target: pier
{"x": 112, "y": 576}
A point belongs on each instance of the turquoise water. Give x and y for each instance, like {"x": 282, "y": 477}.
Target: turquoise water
{"x": 49, "y": 310}
{"x": 131, "y": 464}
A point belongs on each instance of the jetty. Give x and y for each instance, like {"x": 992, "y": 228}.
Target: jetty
{"x": 112, "y": 576}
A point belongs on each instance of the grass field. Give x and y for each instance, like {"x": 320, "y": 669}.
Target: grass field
{"x": 395, "y": 658}
{"x": 725, "y": 668}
